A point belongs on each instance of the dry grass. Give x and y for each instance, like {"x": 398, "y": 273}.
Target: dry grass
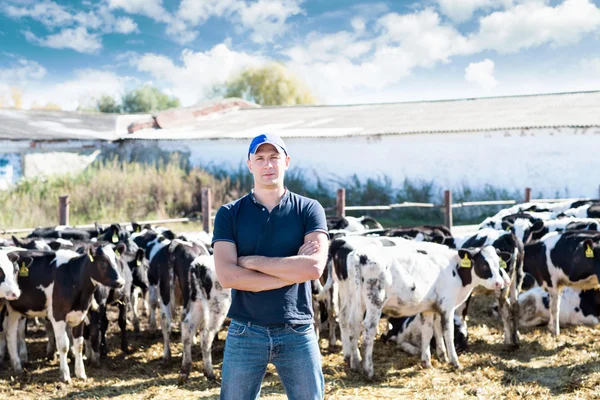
{"x": 541, "y": 368}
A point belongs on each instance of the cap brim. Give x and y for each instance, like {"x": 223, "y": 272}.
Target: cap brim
{"x": 278, "y": 147}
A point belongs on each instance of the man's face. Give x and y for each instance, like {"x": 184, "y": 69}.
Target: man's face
{"x": 268, "y": 166}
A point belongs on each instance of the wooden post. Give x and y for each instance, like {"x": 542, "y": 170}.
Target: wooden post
{"x": 206, "y": 207}
{"x": 527, "y": 195}
{"x": 63, "y": 210}
{"x": 340, "y": 205}
{"x": 448, "y": 208}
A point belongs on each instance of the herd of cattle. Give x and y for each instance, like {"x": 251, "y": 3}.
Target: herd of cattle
{"x": 540, "y": 261}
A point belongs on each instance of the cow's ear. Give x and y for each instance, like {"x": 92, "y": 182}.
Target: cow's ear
{"x": 174, "y": 244}
{"x": 168, "y": 234}
{"x": 54, "y": 245}
{"x": 91, "y": 253}
{"x": 588, "y": 248}
{"x": 137, "y": 228}
{"x": 504, "y": 256}
{"x": 120, "y": 248}
{"x": 538, "y": 225}
{"x": 466, "y": 258}
{"x": 16, "y": 241}
{"x": 139, "y": 257}
{"x": 439, "y": 239}
{"x": 507, "y": 226}
{"x": 13, "y": 257}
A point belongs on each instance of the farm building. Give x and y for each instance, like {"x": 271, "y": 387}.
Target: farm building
{"x": 548, "y": 142}
{"x": 40, "y": 143}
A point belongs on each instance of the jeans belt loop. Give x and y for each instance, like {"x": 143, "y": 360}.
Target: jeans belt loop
{"x": 249, "y": 324}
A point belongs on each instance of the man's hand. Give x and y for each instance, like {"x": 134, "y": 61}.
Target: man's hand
{"x": 309, "y": 248}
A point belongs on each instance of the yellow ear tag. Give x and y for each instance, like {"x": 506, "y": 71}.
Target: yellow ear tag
{"x": 138, "y": 229}
{"x": 465, "y": 262}
{"x": 589, "y": 253}
{"x": 502, "y": 264}
{"x": 91, "y": 258}
{"x": 507, "y": 229}
{"x": 115, "y": 238}
{"x": 23, "y": 271}
{"x": 138, "y": 263}
{"x": 117, "y": 253}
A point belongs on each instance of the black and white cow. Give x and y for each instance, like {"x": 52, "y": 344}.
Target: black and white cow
{"x": 402, "y": 281}
{"x": 352, "y": 224}
{"x": 140, "y": 285}
{"x": 65, "y": 232}
{"x": 104, "y": 296}
{"x": 406, "y": 332}
{"x": 567, "y": 224}
{"x": 577, "y": 307}
{"x": 206, "y": 309}
{"x": 9, "y": 288}
{"x": 570, "y": 258}
{"x": 60, "y": 286}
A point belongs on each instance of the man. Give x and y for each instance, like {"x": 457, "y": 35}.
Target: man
{"x": 268, "y": 246}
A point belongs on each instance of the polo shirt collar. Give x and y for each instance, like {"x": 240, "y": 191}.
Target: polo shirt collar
{"x": 284, "y": 198}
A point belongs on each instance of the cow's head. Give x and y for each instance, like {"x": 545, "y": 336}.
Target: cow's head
{"x": 103, "y": 265}
{"x": 139, "y": 269}
{"x": 31, "y": 244}
{"x": 586, "y": 261}
{"x": 483, "y": 267}
{"x": 9, "y": 288}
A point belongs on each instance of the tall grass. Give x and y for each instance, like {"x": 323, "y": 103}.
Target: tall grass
{"x": 113, "y": 190}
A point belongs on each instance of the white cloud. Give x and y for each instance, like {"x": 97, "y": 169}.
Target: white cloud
{"x": 48, "y": 13}
{"x": 358, "y": 24}
{"x": 191, "y": 80}
{"x": 266, "y": 19}
{"x": 197, "y": 12}
{"x": 125, "y": 25}
{"x": 462, "y": 10}
{"x": 23, "y": 71}
{"x": 150, "y": 8}
{"x": 534, "y": 23}
{"x": 481, "y": 74}
{"x": 590, "y": 65}
{"x": 78, "y": 39}
{"x": 329, "y": 47}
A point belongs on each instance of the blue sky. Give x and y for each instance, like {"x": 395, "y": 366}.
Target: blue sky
{"x": 347, "y": 51}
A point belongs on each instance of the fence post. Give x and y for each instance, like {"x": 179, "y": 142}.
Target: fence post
{"x": 63, "y": 210}
{"x": 448, "y": 208}
{"x": 527, "y": 195}
{"x": 340, "y": 204}
{"x": 206, "y": 207}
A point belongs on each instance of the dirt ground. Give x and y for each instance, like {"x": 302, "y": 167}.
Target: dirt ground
{"x": 542, "y": 368}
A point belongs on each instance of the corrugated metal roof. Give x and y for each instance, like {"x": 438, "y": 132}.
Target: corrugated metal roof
{"x": 56, "y": 125}
{"x": 495, "y": 113}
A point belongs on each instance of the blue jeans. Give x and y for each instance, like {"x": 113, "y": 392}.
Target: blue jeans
{"x": 293, "y": 349}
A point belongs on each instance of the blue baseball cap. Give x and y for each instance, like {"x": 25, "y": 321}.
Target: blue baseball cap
{"x": 269, "y": 138}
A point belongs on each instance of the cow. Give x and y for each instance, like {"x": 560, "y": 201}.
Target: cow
{"x": 577, "y": 307}
{"x": 95, "y": 334}
{"x": 140, "y": 285}
{"x": 65, "y": 232}
{"x": 590, "y": 210}
{"x": 400, "y": 281}
{"x": 9, "y": 288}
{"x": 559, "y": 259}
{"x": 352, "y": 224}
{"x": 406, "y": 332}
{"x": 60, "y": 286}
{"x": 206, "y": 309}
{"x": 567, "y": 224}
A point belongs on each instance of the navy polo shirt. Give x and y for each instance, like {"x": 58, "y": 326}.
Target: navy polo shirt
{"x": 279, "y": 233}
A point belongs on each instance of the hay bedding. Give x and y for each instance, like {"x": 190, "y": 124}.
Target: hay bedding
{"x": 490, "y": 371}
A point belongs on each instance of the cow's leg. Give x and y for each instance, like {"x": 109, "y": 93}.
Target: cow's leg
{"x": 553, "y": 324}
{"x": 22, "y": 346}
{"x": 515, "y": 309}
{"x": 135, "y": 309}
{"x": 62, "y": 345}
{"x": 77, "y": 349}
{"x": 103, "y": 329}
{"x": 504, "y": 310}
{"x": 93, "y": 355}
{"x": 317, "y": 317}
{"x": 211, "y": 329}
{"x": 153, "y": 304}
{"x": 165, "y": 322}
{"x": 188, "y": 331}
{"x": 371, "y": 321}
{"x": 426, "y": 334}
{"x": 123, "y": 327}
{"x": 332, "y": 312}
{"x": 440, "y": 347}
{"x": 51, "y": 344}
{"x": 12, "y": 339}
{"x": 345, "y": 330}
{"x": 448, "y": 330}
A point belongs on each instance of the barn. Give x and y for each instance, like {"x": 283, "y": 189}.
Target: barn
{"x": 36, "y": 143}
{"x": 548, "y": 142}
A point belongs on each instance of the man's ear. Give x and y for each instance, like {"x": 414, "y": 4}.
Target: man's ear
{"x": 287, "y": 162}
{"x": 249, "y": 164}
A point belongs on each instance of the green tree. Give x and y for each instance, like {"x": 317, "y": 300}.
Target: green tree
{"x": 270, "y": 85}
{"x": 107, "y": 104}
{"x": 147, "y": 99}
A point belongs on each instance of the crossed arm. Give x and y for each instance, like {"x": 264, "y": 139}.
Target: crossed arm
{"x": 258, "y": 273}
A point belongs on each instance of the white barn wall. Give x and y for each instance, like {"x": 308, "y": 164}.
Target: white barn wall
{"x": 548, "y": 160}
